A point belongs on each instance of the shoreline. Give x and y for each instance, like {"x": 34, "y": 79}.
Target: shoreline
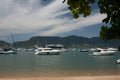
{"x": 102, "y": 77}
{"x": 61, "y": 76}
{"x": 55, "y": 75}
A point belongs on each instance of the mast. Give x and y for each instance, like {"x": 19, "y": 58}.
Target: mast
{"x": 13, "y": 41}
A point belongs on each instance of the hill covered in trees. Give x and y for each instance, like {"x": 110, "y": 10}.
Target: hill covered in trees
{"x": 3, "y": 44}
{"x": 69, "y": 41}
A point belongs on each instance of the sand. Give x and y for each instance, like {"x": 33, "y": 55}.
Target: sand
{"x": 106, "y": 77}
{"x": 60, "y": 76}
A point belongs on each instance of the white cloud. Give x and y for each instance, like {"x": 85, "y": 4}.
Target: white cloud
{"x": 71, "y": 25}
{"x": 30, "y": 17}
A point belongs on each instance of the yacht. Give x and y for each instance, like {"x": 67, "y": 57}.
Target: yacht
{"x": 46, "y": 50}
{"x": 57, "y": 47}
{"x": 101, "y": 51}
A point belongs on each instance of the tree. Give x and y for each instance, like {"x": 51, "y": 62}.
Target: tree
{"x": 109, "y": 7}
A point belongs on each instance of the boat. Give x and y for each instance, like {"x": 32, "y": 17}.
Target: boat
{"x": 73, "y": 48}
{"x": 84, "y": 50}
{"x": 46, "y": 50}
{"x": 118, "y": 61}
{"x": 93, "y": 49}
{"x": 8, "y": 51}
{"x": 29, "y": 49}
{"x": 56, "y": 47}
{"x": 101, "y": 51}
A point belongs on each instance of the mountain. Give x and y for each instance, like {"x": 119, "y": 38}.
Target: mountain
{"x": 3, "y": 44}
{"x": 69, "y": 41}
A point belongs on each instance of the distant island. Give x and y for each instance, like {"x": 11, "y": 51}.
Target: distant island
{"x": 68, "y": 42}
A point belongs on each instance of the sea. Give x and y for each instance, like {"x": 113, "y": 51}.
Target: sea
{"x": 69, "y": 63}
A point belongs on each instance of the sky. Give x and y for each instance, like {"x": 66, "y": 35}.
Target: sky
{"x": 28, "y": 18}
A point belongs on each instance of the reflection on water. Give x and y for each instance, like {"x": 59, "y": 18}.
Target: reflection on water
{"x": 73, "y": 62}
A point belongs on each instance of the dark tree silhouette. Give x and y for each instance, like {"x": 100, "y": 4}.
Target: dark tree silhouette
{"x": 111, "y": 29}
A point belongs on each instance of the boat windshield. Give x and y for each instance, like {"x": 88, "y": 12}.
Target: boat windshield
{"x": 48, "y": 49}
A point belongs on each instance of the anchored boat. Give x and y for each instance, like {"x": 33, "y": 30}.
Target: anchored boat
{"x": 46, "y": 50}
{"x": 101, "y": 51}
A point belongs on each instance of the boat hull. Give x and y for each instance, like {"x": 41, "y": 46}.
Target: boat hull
{"x": 8, "y": 52}
{"x": 50, "y": 52}
{"x": 46, "y": 53}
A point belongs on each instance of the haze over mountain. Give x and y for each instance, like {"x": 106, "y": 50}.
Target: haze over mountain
{"x": 69, "y": 41}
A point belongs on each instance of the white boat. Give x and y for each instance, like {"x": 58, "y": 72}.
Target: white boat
{"x": 46, "y": 50}
{"x": 56, "y": 47}
{"x": 93, "y": 49}
{"x": 29, "y": 49}
{"x": 118, "y": 61}
{"x": 101, "y": 51}
{"x": 84, "y": 50}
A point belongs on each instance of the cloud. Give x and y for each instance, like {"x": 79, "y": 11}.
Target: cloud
{"x": 70, "y": 25}
{"x": 29, "y": 16}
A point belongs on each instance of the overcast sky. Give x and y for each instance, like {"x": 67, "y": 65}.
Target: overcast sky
{"x": 27, "y": 18}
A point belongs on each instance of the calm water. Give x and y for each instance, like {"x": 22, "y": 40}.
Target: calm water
{"x": 66, "y": 63}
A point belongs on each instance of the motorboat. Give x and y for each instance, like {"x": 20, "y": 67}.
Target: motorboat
{"x": 46, "y": 50}
{"x": 118, "y": 61}
{"x": 101, "y": 51}
{"x": 84, "y": 50}
{"x": 93, "y": 49}
{"x": 29, "y": 49}
{"x": 56, "y": 47}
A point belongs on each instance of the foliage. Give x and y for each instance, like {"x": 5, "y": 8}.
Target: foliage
{"x": 119, "y": 48}
{"x": 110, "y": 7}
{"x": 79, "y": 7}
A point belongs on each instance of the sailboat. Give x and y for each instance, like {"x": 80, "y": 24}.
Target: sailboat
{"x": 10, "y": 50}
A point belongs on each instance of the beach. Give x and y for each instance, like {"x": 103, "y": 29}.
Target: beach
{"x": 60, "y": 76}
{"x": 106, "y": 77}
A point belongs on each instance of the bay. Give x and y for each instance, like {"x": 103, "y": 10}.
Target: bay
{"x": 66, "y": 63}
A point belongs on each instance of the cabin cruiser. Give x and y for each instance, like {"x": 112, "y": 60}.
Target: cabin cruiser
{"x": 56, "y": 47}
{"x": 46, "y": 50}
{"x": 101, "y": 51}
